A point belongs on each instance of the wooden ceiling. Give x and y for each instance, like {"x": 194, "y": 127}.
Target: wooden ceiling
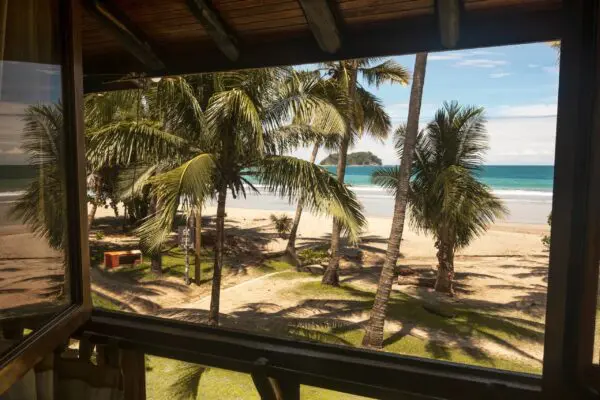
{"x": 159, "y": 37}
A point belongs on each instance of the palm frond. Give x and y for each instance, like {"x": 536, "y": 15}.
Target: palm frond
{"x": 446, "y": 198}
{"x": 187, "y": 383}
{"x": 292, "y": 178}
{"x": 370, "y": 116}
{"x": 388, "y": 71}
{"x": 387, "y": 178}
{"x": 187, "y": 185}
{"x": 124, "y": 142}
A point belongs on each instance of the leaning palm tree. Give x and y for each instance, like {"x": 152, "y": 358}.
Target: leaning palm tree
{"x": 245, "y": 127}
{"x": 400, "y": 184}
{"x": 364, "y": 114}
{"x": 447, "y": 200}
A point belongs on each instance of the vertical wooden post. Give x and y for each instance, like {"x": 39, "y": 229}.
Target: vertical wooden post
{"x": 573, "y": 272}
{"x": 270, "y": 388}
{"x": 134, "y": 374}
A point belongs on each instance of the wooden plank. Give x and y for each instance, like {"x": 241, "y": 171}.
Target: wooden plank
{"x": 133, "y": 366}
{"x": 574, "y": 251}
{"x": 215, "y": 27}
{"x": 130, "y": 36}
{"x": 412, "y": 35}
{"x": 448, "y": 12}
{"x": 322, "y": 24}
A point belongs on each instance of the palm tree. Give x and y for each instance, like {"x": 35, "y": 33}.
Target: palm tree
{"x": 374, "y": 330}
{"x": 363, "y": 113}
{"x": 447, "y": 200}
{"x": 128, "y": 130}
{"x": 242, "y": 131}
{"x": 291, "y": 245}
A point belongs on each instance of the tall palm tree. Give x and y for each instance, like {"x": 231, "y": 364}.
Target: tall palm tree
{"x": 243, "y": 129}
{"x": 447, "y": 199}
{"x": 363, "y": 113}
{"x": 374, "y": 330}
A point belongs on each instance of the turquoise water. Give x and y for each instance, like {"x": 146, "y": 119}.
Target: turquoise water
{"x": 499, "y": 177}
{"x": 531, "y": 178}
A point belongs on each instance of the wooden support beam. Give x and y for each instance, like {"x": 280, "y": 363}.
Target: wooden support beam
{"x": 215, "y": 27}
{"x": 322, "y": 24}
{"x": 270, "y": 388}
{"x": 132, "y": 38}
{"x": 448, "y": 12}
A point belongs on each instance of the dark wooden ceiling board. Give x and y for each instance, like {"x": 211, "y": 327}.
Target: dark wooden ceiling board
{"x": 476, "y": 5}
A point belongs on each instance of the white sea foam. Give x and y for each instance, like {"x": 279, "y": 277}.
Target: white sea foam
{"x": 11, "y": 194}
{"x": 521, "y": 193}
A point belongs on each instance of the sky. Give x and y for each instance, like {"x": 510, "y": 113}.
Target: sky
{"x": 517, "y": 86}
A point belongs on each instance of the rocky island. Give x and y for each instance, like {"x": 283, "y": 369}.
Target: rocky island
{"x": 358, "y": 158}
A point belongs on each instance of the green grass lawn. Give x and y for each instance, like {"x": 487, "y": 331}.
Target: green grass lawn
{"x": 470, "y": 324}
{"x": 215, "y": 384}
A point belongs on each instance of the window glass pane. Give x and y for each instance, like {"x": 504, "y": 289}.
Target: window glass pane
{"x": 478, "y": 213}
{"x": 32, "y": 209}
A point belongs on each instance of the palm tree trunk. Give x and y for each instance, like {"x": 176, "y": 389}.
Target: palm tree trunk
{"x": 374, "y": 330}
{"x": 445, "y": 275}
{"x": 197, "y": 245}
{"x": 331, "y": 276}
{"x": 155, "y": 256}
{"x": 92, "y": 215}
{"x": 291, "y": 246}
{"x": 213, "y": 316}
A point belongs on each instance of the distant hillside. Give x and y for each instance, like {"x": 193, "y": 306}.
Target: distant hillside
{"x": 358, "y": 158}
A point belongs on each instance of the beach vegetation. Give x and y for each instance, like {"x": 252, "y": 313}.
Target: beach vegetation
{"x": 282, "y": 223}
{"x": 447, "y": 200}
{"x": 364, "y": 114}
{"x": 546, "y": 238}
{"x": 226, "y": 129}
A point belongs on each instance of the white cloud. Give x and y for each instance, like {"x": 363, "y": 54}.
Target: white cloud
{"x": 445, "y": 56}
{"x": 525, "y": 111}
{"x": 551, "y": 70}
{"x": 512, "y": 141}
{"x": 398, "y": 112}
{"x": 497, "y": 75}
{"x": 521, "y": 141}
{"x": 486, "y": 53}
{"x": 14, "y": 150}
{"x": 480, "y": 63}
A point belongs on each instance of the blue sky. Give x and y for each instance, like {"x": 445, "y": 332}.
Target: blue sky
{"x": 517, "y": 86}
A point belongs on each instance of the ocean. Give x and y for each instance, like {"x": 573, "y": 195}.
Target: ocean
{"x": 526, "y": 190}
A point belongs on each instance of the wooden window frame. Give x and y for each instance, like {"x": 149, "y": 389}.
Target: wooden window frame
{"x": 19, "y": 359}
{"x": 572, "y": 284}
{"x": 568, "y": 370}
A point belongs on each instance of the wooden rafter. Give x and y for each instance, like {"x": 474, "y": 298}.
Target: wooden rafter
{"x": 212, "y": 22}
{"x": 129, "y": 35}
{"x": 322, "y": 24}
{"x": 448, "y": 12}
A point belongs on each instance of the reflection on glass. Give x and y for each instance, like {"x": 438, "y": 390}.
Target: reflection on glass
{"x": 32, "y": 184}
{"x": 471, "y": 284}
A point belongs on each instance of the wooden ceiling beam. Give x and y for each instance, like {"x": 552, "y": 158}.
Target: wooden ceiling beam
{"x": 131, "y": 37}
{"x": 215, "y": 27}
{"x": 322, "y": 24}
{"x": 448, "y": 12}
{"x": 410, "y": 36}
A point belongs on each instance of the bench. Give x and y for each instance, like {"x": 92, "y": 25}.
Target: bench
{"x": 113, "y": 259}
